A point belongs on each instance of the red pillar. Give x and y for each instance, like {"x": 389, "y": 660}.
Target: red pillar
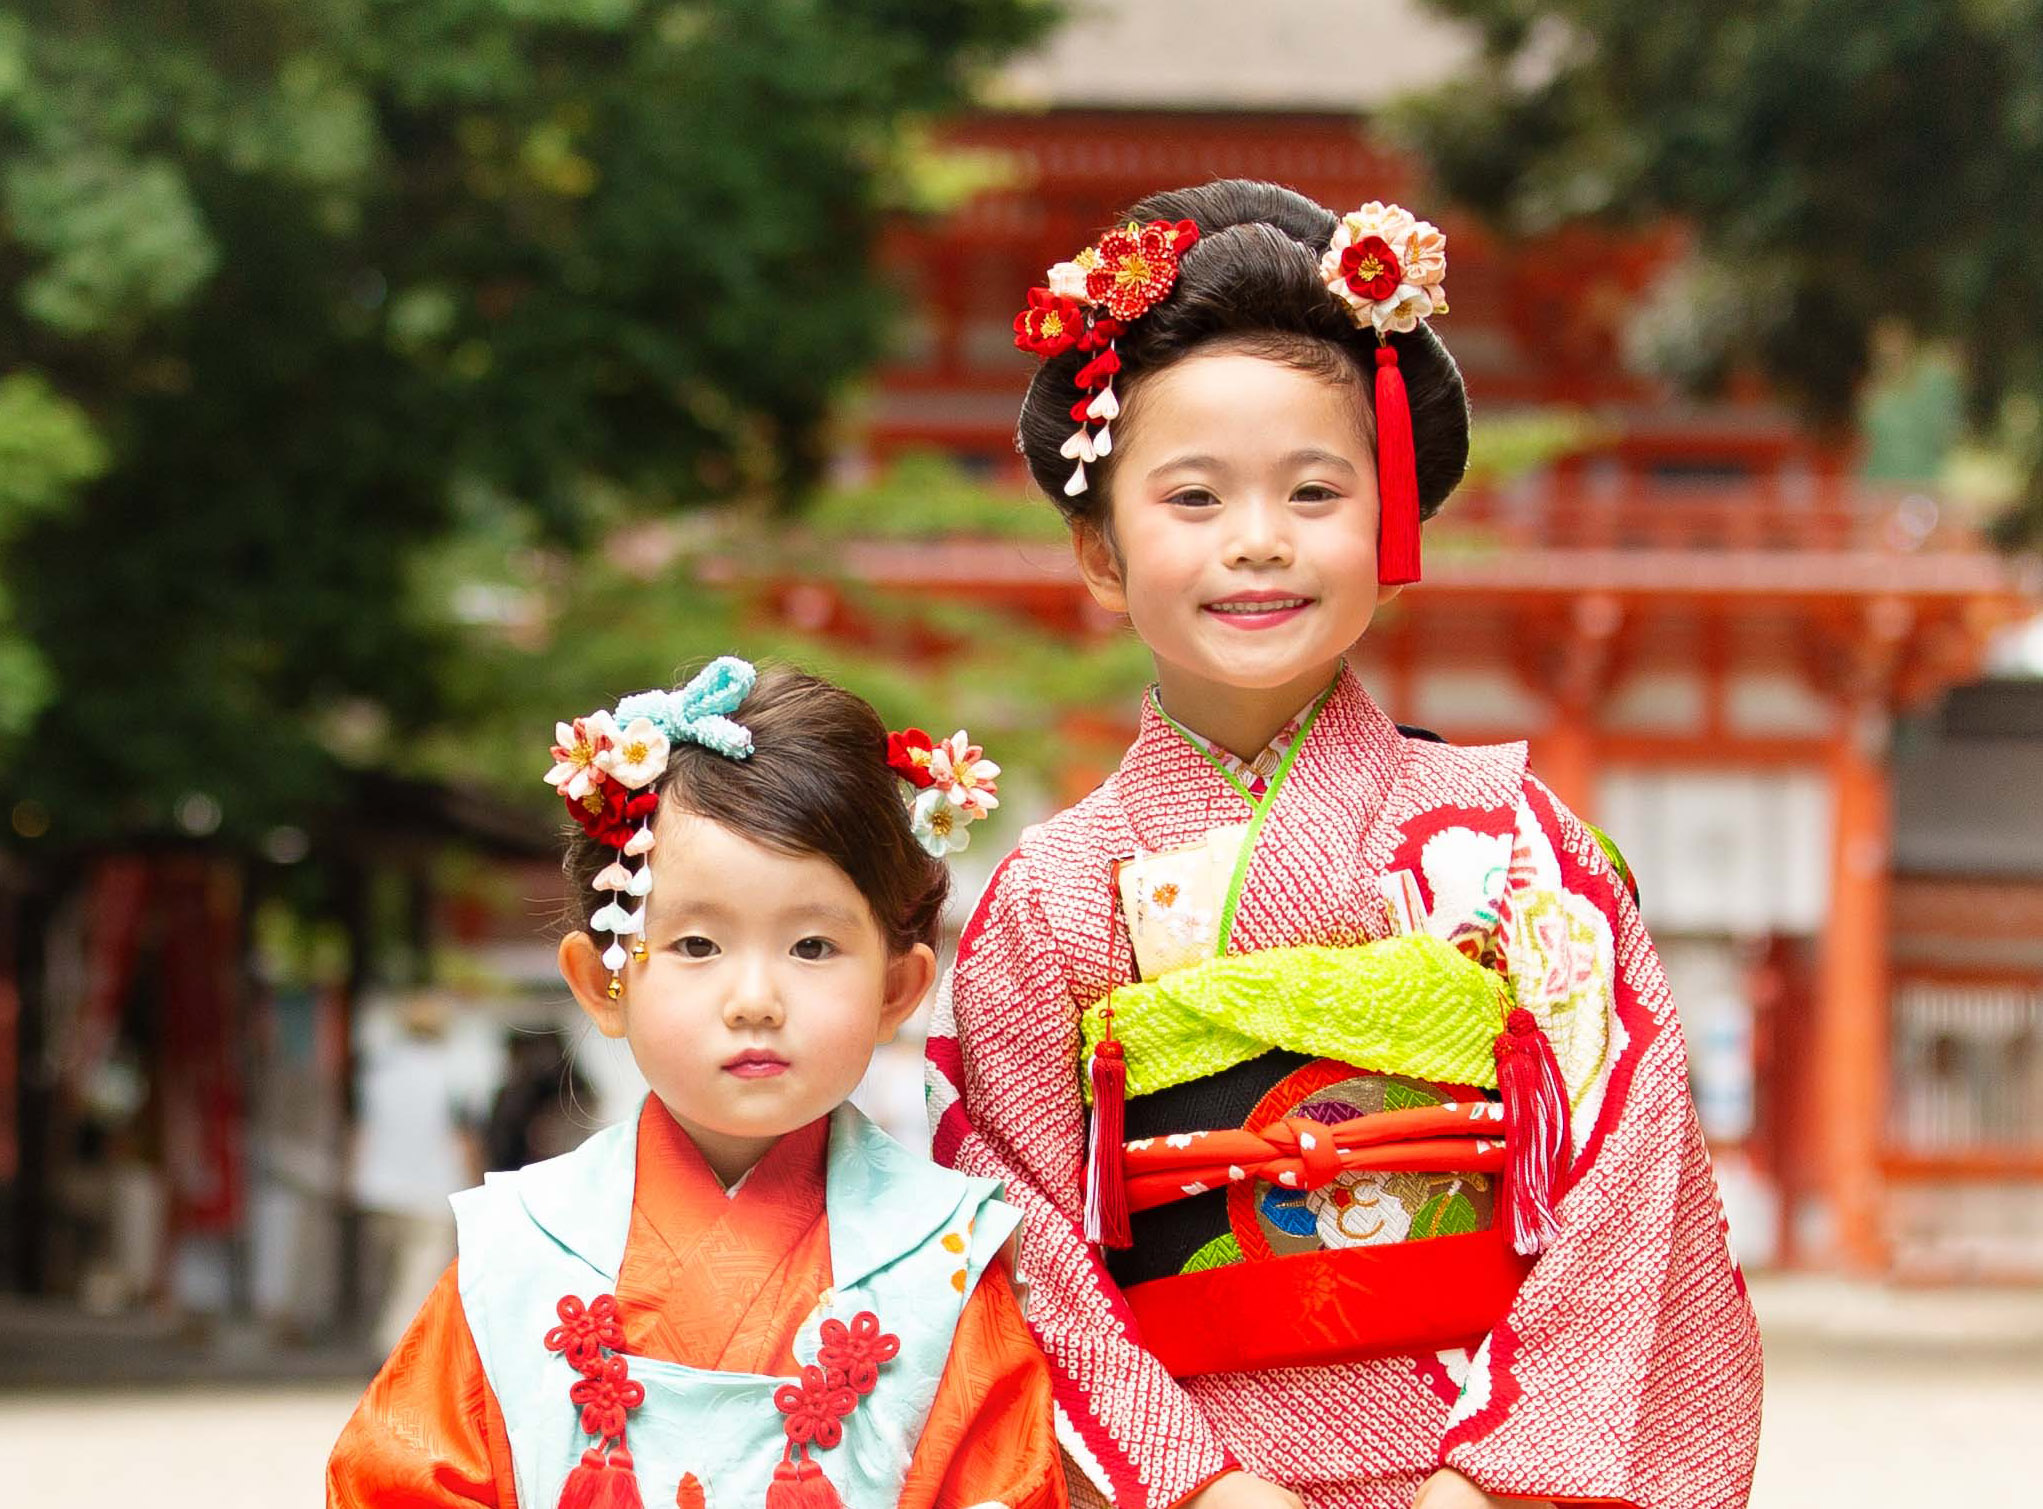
{"x": 1850, "y": 1069}
{"x": 1565, "y": 758}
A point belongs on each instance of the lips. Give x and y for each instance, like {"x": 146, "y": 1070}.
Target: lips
{"x": 1258, "y": 610}
{"x": 756, "y": 1063}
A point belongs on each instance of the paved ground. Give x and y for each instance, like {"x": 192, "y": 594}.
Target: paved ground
{"x": 1872, "y": 1398}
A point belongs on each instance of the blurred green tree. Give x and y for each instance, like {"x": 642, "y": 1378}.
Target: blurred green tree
{"x": 293, "y": 290}
{"x": 1843, "y": 162}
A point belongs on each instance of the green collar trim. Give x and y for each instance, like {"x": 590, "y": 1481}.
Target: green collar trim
{"x": 1410, "y": 1005}
{"x": 1262, "y": 811}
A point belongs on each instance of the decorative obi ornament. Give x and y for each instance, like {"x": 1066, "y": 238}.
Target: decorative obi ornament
{"x": 1383, "y": 1168}
{"x": 815, "y": 1406}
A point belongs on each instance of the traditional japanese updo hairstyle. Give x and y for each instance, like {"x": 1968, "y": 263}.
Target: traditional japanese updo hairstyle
{"x": 1251, "y": 284}
{"x": 815, "y": 783}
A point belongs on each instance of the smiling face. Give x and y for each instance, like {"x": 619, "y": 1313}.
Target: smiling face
{"x": 1243, "y": 543}
{"x": 767, "y": 985}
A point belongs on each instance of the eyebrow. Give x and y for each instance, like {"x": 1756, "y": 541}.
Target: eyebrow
{"x": 716, "y": 911}
{"x": 1309, "y": 456}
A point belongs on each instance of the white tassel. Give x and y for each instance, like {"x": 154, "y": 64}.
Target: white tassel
{"x": 1078, "y": 447}
{"x": 641, "y": 881}
{"x": 1104, "y": 405}
{"x": 1076, "y": 485}
{"x": 639, "y": 843}
{"x": 615, "y": 958}
{"x": 1103, "y": 443}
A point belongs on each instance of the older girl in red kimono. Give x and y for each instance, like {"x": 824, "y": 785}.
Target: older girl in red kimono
{"x": 1394, "y": 1191}
{"x": 745, "y": 1295}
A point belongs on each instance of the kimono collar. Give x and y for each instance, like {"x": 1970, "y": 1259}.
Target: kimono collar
{"x": 1174, "y": 791}
{"x": 883, "y": 1201}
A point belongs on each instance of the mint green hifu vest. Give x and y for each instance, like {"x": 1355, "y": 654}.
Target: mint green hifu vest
{"x": 559, "y": 1227}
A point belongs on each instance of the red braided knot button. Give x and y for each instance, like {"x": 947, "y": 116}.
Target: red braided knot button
{"x": 857, "y": 1351}
{"x": 607, "y": 1395}
{"x": 815, "y": 1407}
{"x": 583, "y": 1333}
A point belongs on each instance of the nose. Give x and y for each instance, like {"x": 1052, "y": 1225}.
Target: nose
{"x": 753, "y": 1001}
{"x": 1261, "y": 534}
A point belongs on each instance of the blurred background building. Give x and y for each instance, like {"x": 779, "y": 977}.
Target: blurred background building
{"x": 578, "y": 402}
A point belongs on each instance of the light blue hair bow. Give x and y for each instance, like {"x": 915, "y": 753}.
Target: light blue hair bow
{"x": 700, "y": 711}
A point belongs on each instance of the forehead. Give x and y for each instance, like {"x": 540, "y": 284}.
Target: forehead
{"x": 1245, "y": 403}
{"x": 697, "y": 860}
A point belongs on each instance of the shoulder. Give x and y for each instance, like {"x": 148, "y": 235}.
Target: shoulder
{"x": 1078, "y": 838}
{"x": 1464, "y": 772}
{"x": 1586, "y": 856}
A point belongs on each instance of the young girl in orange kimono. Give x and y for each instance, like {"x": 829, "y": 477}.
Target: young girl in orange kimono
{"x": 746, "y": 1295}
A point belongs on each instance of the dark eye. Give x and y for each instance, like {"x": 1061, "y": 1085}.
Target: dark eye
{"x": 1315, "y": 492}
{"x": 695, "y": 946}
{"x": 814, "y": 949}
{"x": 1192, "y": 497}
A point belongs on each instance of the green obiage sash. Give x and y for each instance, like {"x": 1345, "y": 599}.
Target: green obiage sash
{"x": 1409, "y": 1005}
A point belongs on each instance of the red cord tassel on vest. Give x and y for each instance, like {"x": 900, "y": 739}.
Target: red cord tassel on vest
{"x": 1106, "y": 1183}
{"x": 602, "y": 1482}
{"x": 1397, "y": 476}
{"x": 1537, "y": 1143}
{"x": 799, "y": 1483}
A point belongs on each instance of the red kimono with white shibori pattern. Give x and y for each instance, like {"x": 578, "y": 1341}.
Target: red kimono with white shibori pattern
{"x": 1627, "y": 1368}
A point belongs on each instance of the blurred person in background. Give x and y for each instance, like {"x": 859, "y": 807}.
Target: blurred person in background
{"x": 1395, "y": 1193}
{"x": 413, "y": 1147}
{"x": 542, "y": 1110}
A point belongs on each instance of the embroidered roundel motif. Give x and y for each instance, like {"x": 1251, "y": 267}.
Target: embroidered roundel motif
{"x": 1356, "y": 1209}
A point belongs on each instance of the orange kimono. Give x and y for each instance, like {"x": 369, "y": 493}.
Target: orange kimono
{"x": 719, "y": 1280}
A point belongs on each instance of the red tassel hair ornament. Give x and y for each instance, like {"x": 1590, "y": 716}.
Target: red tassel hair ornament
{"x": 1537, "y": 1140}
{"x": 1106, "y": 1182}
{"x": 1397, "y": 476}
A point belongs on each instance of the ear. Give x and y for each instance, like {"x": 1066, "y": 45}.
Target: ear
{"x": 1100, "y": 567}
{"x": 1386, "y": 594}
{"x": 909, "y": 976}
{"x": 581, "y": 965}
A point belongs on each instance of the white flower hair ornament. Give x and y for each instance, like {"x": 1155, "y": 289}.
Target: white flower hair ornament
{"x": 608, "y": 775}
{"x": 1386, "y": 266}
{"x": 947, "y": 786}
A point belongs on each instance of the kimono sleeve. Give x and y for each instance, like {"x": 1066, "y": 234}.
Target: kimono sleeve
{"x": 1005, "y": 1103}
{"x": 428, "y": 1433}
{"x": 1628, "y": 1368}
{"x": 988, "y": 1439}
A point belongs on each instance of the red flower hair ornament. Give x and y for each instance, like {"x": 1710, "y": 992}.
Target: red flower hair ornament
{"x": 1086, "y": 304}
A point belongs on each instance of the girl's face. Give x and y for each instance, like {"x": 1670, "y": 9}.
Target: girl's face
{"x": 1244, "y": 524}
{"x": 767, "y": 985}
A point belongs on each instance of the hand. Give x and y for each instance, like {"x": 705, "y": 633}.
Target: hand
{"x": 1448, "y": 1489}
{"x": 1241, "y": 1490}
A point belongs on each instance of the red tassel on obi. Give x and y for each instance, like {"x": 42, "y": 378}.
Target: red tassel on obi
{"x": 602, "y": 1482}
{"x": 799, "y": 1483}
{"x": 1397, "y": 476}
{"x": 1537, "y": 1143}
{"x": 1106, "y": 1184}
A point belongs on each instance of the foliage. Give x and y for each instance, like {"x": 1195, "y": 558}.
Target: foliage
{"x": 285, "y": 283}
{"x": 1843, "y": 162}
